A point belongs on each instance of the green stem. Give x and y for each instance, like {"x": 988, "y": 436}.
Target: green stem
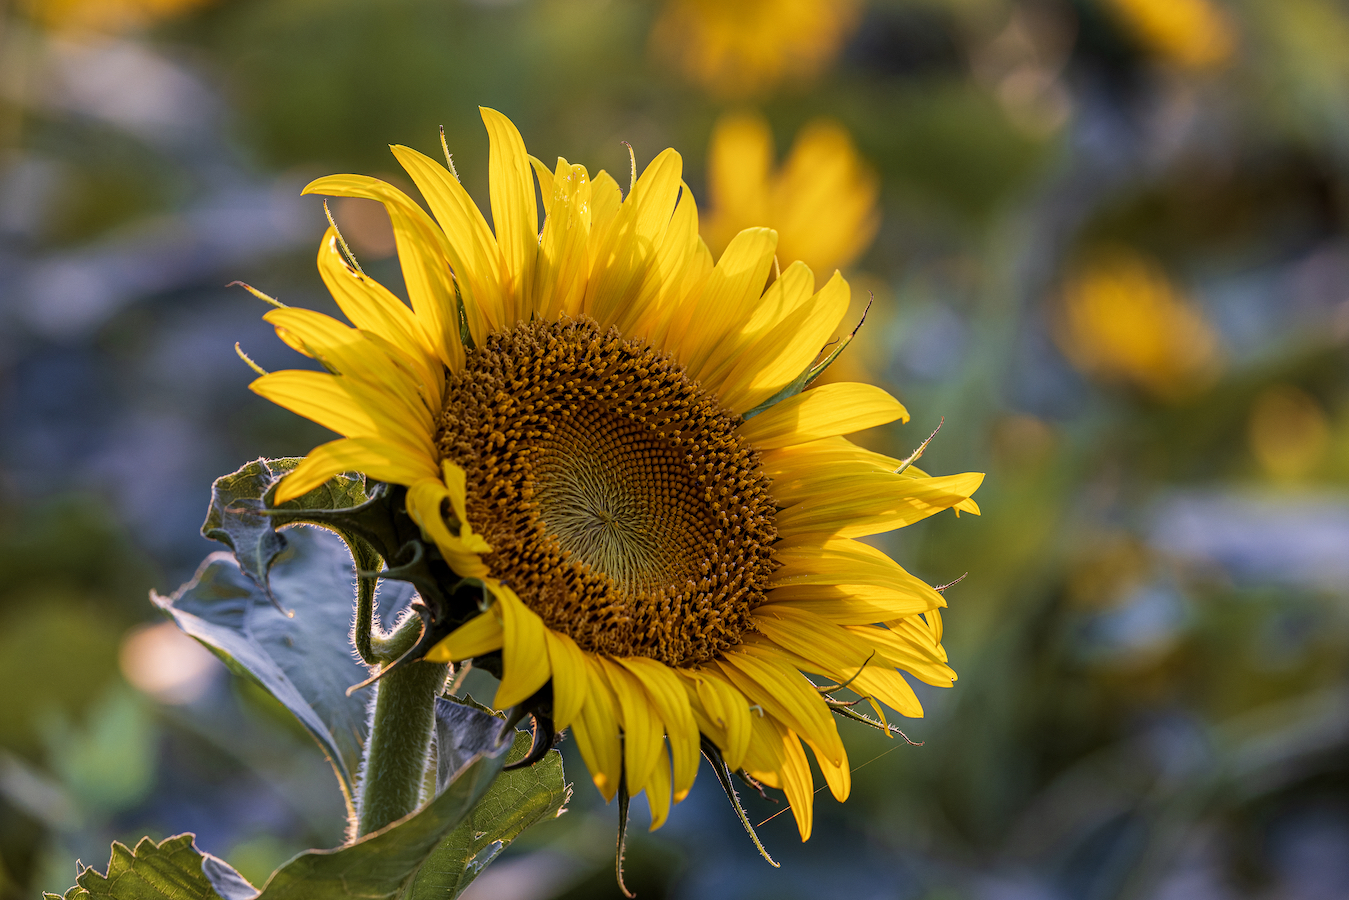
{"x": 398, "y": 749}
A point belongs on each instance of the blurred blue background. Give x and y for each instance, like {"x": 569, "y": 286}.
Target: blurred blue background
{"x": 1108, "y": 244}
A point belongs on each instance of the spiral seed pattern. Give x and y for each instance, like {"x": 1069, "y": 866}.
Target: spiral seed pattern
{"x": 619, "y": 502}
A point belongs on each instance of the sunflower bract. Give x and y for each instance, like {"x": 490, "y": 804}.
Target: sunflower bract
{"x": 673, "y": 569}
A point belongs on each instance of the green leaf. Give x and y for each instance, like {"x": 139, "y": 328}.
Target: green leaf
{"x": 381, "y": 863}
{"x": 236, "y": 517}
{"x": 517, "y": 800}
{"x": 173, "y": 869}
{"x": 303, "y": 658}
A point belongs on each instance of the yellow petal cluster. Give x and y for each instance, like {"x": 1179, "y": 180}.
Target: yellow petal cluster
{"x": 822, "y": 201}
{"x": 743, "y": 48}
{"x": 1123, "y": 320}
{"x": 1195, "y": 34}
{"x": 836, "y": 607}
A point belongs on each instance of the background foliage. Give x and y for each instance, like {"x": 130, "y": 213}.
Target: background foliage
{"x": 1112, "y": 254}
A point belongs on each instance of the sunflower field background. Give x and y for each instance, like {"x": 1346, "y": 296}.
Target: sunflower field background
{"x": 1106, "y": 248}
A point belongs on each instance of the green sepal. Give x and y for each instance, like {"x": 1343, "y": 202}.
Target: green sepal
{"x": 173, "y": 869}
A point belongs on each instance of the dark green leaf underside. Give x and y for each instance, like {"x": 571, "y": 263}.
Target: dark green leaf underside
{"x": 303, "y": 660}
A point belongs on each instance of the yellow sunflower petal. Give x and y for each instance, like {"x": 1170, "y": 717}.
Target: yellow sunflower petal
{"x": 476, "y": 259}
{"x": 888, "y": 686}
{"x": 844, "y": 561}
{"x": 794, "y": 771}
{"x": 606, "y": 199}
{"x": 775, "y": 361}
{"x": 828, "y": 593}
{"x": 648, "y": 315}
{"x": 824, "y": 411}
{"x": 915, "y": 629}
{"x": 840, "y": 604}
{"x": 514, "y": 208}
{"x": 524, "y": 654}
{"x": 456, "y": 486}
{"x": 480, "y": 634}
{"x": 571, "y": 678}
{"x": 822, "y": 467}
{"x": 726, "y": 709}
{"x": 878, "y": 681}
{"x": 814, "y": 638}
{"x": 370, "y": 306}
{"x": 795, "y": 286}
{"x": 785, "y": 694}
{"x": 728, "y": 299}
{"x": 873, "y": 507}
{"x": 643, "y": 736}
{"x": 563, "y": 265}
{"x": 658, "y": 789}
{"x": 425, "y": 499}
{"x": 667, "y": 694}
{"x": 901, "y": 652}
{"x": 345, "y": 406}
{"x": 346, "y": 351}
{"x": 934, "y": 622}
{"x": 763, "y": 756}
{"x": 625, "y": 257}
{"x": 596, "y": 731}
{"x": 379, "y": 459}
{"x": 798, "y": 461}
{"x": 837, "y": 776}
{"x": 422, "y": 254}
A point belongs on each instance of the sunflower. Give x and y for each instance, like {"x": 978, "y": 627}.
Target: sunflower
{"x": 608, "y": 430}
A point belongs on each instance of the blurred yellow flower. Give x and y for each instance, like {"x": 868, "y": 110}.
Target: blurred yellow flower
{"x": 1196, "y": 34}
{"x": 740, "y": 48}
{"x": 106, "y": 15}
{"x": 1123, "y": 320}
{"x": 822, "y": 201}
{"x": 1288, "y": 431}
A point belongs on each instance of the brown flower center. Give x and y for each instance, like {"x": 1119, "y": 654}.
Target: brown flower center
{"x": 619, "y": 502}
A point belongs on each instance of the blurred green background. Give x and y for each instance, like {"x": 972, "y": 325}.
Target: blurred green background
{"x": 1110, "y": 255}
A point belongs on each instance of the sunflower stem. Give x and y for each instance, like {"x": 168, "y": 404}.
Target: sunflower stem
{"x": 398, "y": 750}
